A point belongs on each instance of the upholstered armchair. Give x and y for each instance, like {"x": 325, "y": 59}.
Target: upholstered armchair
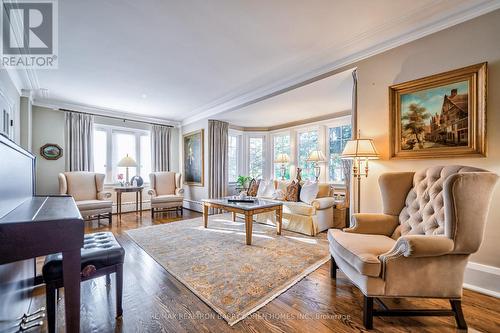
{"x": 87, "y": 188}
{"x": 419, "y": 246}
{"x": 166, "y": 192}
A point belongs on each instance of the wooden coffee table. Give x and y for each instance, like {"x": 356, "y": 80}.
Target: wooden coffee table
{"x": 247, "y": 209}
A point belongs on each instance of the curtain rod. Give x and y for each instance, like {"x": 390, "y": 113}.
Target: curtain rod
{"x": 113, "y": 117}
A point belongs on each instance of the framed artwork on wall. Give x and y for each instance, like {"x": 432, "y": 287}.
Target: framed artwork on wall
{"x": 51, "y": 151}
{"x": 193, "y": 147}
{"x": 439, "y": 116}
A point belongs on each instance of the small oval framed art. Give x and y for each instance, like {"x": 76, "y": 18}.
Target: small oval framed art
{"x": 51, "y": 151}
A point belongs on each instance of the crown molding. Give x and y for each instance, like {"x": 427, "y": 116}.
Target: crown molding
{"x": 56, "y": 104}
{"x": 237, "y": 101}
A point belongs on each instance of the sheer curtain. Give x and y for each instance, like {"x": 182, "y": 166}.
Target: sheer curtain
{"x": 217, "y": 158}
{"x": 79, "y": 131}
{"x": 160, "y": 148}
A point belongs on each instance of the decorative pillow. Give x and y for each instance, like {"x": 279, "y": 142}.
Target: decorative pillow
{"x": 309, "y": 191}
{"x": 266, "y": 189}
{"x": 292, "y": 191}
{"x": 278, "y": 195}
{"x": 253, "y": 188}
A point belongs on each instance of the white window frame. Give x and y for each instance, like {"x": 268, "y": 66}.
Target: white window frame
{"x": 110, "y": 168}
{"x": 264, "y": 153}
{"x": 239, "y": 154}
{"x": 342, "y": 121}
{"x": 273, "y": 156}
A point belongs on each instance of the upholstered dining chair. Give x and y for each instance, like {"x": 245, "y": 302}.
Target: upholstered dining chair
{"x": 419, "y": 246}
{"x": 87, "y": 188}
{"x": 166, "y": 192}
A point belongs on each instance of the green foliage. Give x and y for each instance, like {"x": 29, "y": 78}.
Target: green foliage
{"x": 415, "y": 117}
{"x": 242, "y": 180}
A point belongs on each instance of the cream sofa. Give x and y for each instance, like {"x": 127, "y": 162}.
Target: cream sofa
{"x": 308, "y": 219}
{"x": 87, "y": 188}
{"x": 419, "y": 246}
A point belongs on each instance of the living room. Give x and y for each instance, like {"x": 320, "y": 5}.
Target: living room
{"x": 249, "y": 174}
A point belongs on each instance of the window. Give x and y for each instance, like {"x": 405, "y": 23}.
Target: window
{"x": 112, "y": 143}
{"x": 308, "y": 141}
{"x": 281, "y": 145}
{"x": 256, "y": 157}
{"x": 337, "y": 139}
{"x": 100, "y": 151}
{"x": 232, "y": 156}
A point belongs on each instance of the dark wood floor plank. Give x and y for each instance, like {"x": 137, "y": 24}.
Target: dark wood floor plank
{"x": 154, "y": 301}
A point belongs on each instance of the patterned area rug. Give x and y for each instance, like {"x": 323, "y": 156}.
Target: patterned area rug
{"x": 232, "y": 278}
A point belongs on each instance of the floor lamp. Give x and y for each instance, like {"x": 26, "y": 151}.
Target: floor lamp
{"x": 359, "y": 151}
{"x": 282, "y": 159}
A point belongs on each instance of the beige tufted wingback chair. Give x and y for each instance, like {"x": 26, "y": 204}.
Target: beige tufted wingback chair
{"x": 166, "y": 192}
{"x": 419, "y": 246}
{"x": 87, "y": 188}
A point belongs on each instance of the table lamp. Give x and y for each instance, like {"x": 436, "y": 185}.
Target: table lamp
{"x": 359, "y": 150}
{"x": 282, "y": 159}
{"x": 316, "y": 156}
{"x": 127, "y": 162}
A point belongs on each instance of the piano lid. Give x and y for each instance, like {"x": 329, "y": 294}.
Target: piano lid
{"x": 39, "y": 209}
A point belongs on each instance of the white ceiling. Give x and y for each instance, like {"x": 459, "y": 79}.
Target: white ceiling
{"x": 321, "y": 98}
{"x": 182, "y": 60}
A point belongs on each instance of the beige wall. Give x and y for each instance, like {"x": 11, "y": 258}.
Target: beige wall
{"x": 466, "y": 44}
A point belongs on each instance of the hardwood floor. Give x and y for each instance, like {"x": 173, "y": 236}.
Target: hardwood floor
{"x": 154, "y": 301}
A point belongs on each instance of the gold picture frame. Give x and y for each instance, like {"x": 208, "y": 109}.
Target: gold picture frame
{"x": 193, "y": 145}
{"x": 439, "y": 116}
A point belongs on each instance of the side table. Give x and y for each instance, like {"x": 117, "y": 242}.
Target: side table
{"x": 138, "y": 198}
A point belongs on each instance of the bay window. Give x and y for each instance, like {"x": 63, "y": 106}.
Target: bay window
{"x": 307, "y": 142}
{"x": 232, "y": 158}
{"x": 256, "y": 157}
{"x": 337, "y": 139}
{"x": 281, "y": 145}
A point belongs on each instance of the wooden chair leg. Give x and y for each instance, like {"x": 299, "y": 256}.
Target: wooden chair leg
{"x": 456, "y": 306}
{"x": 368, "y": 312}
{"x": 152, "y": 213}
{"x": 333, "y": 268}
{"x": 50, "y": 299}
{"x": 119, "y": 290}
{"x": 110, "y": 218}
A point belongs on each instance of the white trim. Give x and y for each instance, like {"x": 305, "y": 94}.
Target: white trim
{"x": 55, "y": 104}
{"x": 488, "y": 273}
{"x": 265, "y": 91}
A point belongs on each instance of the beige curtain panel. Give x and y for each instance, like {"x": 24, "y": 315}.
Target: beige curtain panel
{"x": 217, "y": 158}
{"x": 160, "y": 148}
{"x": 79, "y": 132}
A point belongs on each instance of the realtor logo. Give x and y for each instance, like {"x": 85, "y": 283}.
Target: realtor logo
{"x": 29, "y": 34}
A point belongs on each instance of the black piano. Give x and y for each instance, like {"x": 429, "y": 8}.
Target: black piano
{"x": 32, "y": 226}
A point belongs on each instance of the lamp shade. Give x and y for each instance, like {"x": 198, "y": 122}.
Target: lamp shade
{"x": 360, "y": 148}
{"x": 282, "y": 158}
{"x": 316, "y": 156}
{"x": 127, "y": 161}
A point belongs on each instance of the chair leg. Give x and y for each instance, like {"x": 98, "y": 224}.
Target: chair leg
{"x": 50, "y": 299}
{"x": 368, "y": 312}
{"x": 152, "y": 213}
{"x": 456, "y": 306}
{"x": 333, "y": 268}
{"x": 119, "y": 290}
{"x": 110, "y": 218}
{"x": 182, "y": 210}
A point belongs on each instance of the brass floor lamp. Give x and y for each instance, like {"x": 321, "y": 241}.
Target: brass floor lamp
{"x": 359, "y": 151}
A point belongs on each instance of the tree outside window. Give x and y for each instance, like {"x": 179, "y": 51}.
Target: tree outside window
{"x": 308, "y": 141}
{"x": 281, "y": 145}
{"x": 337, "y": 137}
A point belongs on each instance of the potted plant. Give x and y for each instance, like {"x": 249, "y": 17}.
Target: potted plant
{"x": 243, "y": 181}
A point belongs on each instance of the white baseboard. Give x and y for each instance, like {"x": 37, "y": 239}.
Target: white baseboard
{"x": 193, "y": 205}
{"x": 482, "y": 278}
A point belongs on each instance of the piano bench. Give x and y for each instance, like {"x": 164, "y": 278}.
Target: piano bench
{"x": 101, "y": 255}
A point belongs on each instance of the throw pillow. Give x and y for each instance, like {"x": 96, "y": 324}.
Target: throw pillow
{"x": 253, "y": 188}
{"x": 266, "y": 189}
{"x": 309, "y": 192}
{"x": 279, "y": 195}
{"x": 292, "y": 191}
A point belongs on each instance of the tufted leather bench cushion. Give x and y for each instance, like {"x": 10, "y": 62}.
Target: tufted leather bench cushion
{"x": 423, "y": 213}
{"x": 99, "y": 249}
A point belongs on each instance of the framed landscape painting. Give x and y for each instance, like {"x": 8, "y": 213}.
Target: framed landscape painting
{"x": 193, "y": 158}
{"x": 440, "y": 116}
